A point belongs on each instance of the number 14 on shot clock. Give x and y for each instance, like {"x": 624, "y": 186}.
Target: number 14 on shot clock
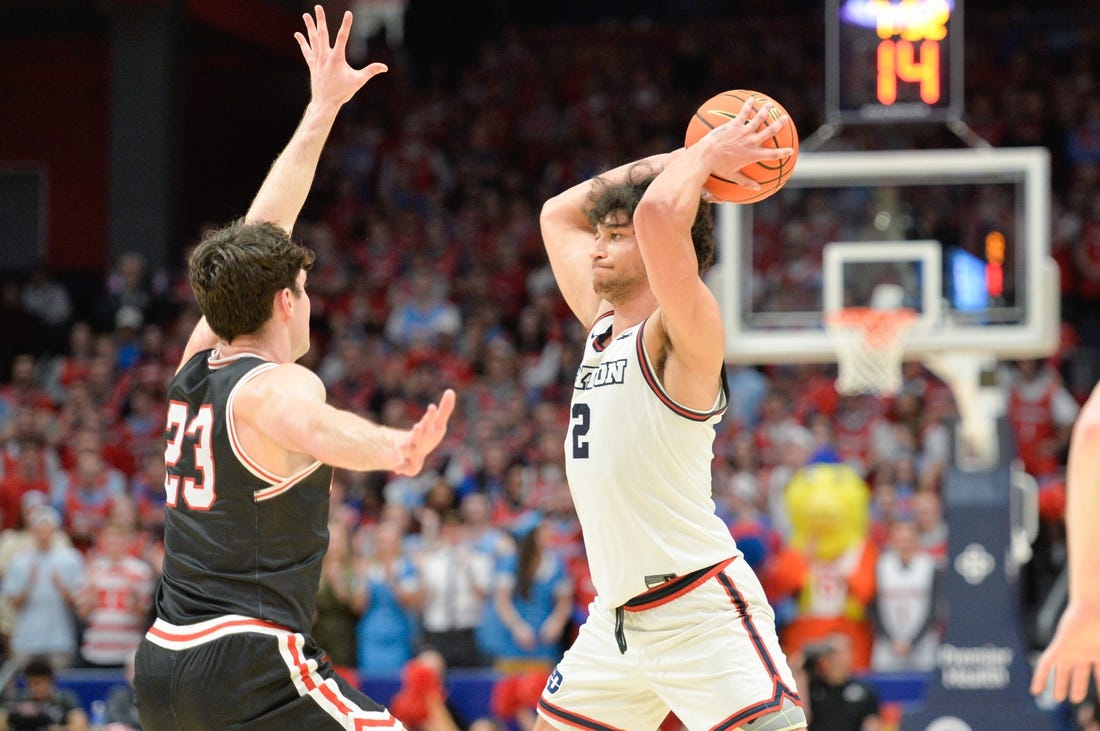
{"x": 893, "y": 60}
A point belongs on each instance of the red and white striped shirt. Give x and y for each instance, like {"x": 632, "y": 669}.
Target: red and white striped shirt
{"x": 121, "y": 591}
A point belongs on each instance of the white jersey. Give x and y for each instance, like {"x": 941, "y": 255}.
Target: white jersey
{"x": 639, "y": 469}
{"x": 904, "y": 594}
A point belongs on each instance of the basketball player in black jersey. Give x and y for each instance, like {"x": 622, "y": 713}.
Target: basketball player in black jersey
{"x": 250, "y": 447}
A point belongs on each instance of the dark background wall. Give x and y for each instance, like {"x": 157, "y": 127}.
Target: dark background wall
{"x": 139, "y": 114}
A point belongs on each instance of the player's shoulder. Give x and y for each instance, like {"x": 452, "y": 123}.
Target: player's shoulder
{"x": 285, "y": 378}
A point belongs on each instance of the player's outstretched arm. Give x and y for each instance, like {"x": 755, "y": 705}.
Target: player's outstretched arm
{"x": 568, "y": 236}
{"x": 332, "y": 83}
{"x": 287, "y": 404}
{"x": 283, "y": 193}
{"x": 1075, "y": 649}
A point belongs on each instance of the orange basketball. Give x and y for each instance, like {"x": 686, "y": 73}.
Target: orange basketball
{"x": 771, "y": 174}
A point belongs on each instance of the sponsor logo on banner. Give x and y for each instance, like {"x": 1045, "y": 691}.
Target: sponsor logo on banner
{"x": 974, "y": 668}
{"x": 975, "y": 563}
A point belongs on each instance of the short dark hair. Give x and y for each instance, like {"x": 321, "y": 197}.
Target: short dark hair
{"x": 236, "y": 271}
{"x": 608, "y": 198}
{"x": 38, "y": 667}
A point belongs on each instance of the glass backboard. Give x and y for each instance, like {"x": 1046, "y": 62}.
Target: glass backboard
{"x": 978, "y": 216}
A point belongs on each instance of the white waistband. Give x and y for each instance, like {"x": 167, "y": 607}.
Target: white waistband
{"x": 180, "y": 637}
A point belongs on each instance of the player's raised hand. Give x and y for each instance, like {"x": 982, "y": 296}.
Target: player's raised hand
{"x": 417, "y": 443}
{"x": 740, "y": 142}
{"x": 1073, "y": 654}
{"x": 332, "y": 79}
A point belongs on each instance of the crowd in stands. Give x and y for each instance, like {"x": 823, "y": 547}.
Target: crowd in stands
{"x": 430, "y": 274}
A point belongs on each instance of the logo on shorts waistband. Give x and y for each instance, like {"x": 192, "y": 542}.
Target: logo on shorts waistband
{"x": 554, "y": 682}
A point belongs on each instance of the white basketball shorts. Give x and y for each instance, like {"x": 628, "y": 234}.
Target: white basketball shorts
{"x": 703, "y": 646}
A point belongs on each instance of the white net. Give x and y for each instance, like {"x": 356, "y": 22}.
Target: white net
{"x": 869, "y": 344}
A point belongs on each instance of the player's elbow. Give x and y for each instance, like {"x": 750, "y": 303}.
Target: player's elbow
{"x": 555, "y": 211}
{"x": 653, "y": 215}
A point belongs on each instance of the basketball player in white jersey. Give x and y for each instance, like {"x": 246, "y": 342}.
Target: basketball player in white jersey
{"x": 680, "y": 622}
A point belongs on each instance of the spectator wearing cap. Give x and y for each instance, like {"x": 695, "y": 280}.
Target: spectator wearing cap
{"x": 41, "y": 705}
{"x": 41, "y": 584}
{"x": 14, "y": 541}
{"x": 532, "y": 601}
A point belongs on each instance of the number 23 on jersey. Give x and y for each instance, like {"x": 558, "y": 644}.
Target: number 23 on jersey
{"x": 182, "y": 427}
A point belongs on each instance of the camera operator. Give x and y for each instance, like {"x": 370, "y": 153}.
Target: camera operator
{"x": 838, "y": 700}
{"x": 41, "y": 705}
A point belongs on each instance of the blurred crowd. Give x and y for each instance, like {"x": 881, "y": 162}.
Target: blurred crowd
{"x": 430, "y": 274}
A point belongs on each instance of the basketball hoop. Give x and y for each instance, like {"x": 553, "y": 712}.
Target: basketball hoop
{"x": 869, "y": 343}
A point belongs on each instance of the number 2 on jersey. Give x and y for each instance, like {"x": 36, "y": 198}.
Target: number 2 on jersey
{"x": 581, "y": 422}
{"x": 198, "y": 491}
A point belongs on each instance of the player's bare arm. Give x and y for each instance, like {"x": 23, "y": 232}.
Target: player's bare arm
{"x": 687, "y": 333}
{"x": 567, "y": 236}
{"x": 333, "y": 82}
{"x": 1075, "y": 650}
{"x": 284, "y": 412}
{"x": 283, "y": 193}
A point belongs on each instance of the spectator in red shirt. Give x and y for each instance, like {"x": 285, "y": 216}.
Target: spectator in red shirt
{"x": 86, "y": 499}
{"x": 27, "y": 473}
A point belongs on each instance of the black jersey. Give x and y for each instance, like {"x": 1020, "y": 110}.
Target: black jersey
{"x": 238, "y": 539}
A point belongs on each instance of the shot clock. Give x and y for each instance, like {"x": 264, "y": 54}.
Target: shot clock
{"x": 893, "y": 60}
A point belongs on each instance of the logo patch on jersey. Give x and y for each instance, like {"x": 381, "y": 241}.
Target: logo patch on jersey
{"x": 605, "y": 374}
{"x": 554, "y": 682}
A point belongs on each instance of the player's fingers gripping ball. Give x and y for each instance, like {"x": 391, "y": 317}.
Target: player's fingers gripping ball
{"x": 770, "y": 174}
